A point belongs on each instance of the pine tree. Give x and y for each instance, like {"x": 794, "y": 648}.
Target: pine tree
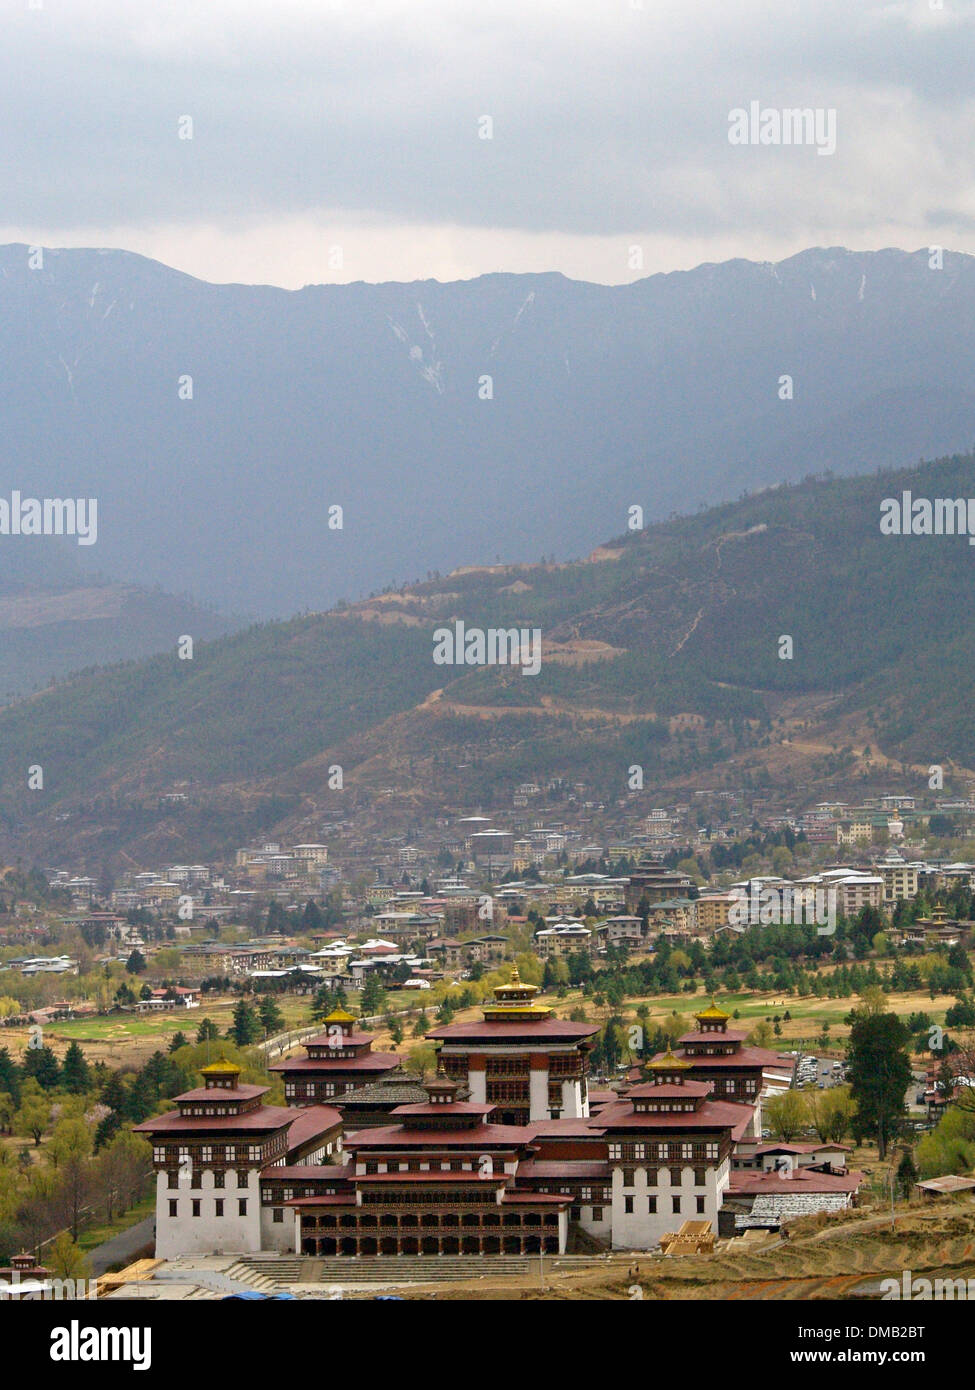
{"x": 373, "y": 999}
{"x": 114, "y": 1093}
{"x": 141, "y": 1099}
{"x": 245, "y": 1028}
{"x": 9, "y": 1075}
{"x": 107, "y": 1128}
{"x": 41, "y": 1063}
{"x": 323, "y": 1003}
{"x": 75, "y": 1076}
{"x": 272, "y": 1019}
{"x": 906, "y": 1174}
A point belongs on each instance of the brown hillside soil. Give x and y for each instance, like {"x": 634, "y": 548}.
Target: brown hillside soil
{"x": 936, "y": 1240}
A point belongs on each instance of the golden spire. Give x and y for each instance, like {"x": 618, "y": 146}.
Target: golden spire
{"x": 221, "y": 1067}
{"x": 516, "y": 999}
{"x": 712, "y": 1011}
{"x": 668, "y": 1062}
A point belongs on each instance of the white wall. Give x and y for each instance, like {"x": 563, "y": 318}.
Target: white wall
{"x": 208, "y": 1234}
{"x": 676, "y": 1195}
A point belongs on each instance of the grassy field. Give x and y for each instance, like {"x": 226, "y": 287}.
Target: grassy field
{"x": 129, "y": 1040}
{"x": 807, "y": 1014}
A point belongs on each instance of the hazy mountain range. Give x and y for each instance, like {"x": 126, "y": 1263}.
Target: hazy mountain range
{"x": 663, "y": 393}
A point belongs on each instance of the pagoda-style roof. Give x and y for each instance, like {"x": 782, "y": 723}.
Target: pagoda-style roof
{"x": 664, "y": 1090}
{"x": 515, "y": 1000}
{"x": 222, "y": 1067}
{"x": 338, "y": 1016}
{"x": 668, "y": 1062}
{"x": 712, "y": 1012}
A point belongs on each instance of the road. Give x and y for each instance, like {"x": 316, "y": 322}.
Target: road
{"x": 122, "y": 1249}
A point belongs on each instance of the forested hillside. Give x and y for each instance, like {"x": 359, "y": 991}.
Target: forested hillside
{"x": 663, "y": 649}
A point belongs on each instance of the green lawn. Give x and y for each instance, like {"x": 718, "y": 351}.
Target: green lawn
{"x": 97, "y": 1234}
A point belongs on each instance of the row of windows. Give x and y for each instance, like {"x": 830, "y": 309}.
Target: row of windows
{"x": 209, "y": 1110}
{"x": 315, "y": 1088}
{"x": 210, "y": 1153}
{"x": 666, "y": 1206}
{"x": 661, "y": 1177}
{"x": 507, "y": 1091}
{"x": 668, "y": 1107}
{"x": 582, "y": 1194}
{"x": 411, "y": 1220}
{"x": 664, "y": 1152}
{"x": 178, "y": 1179}
{"x": 483, "y": 1163}
{"x": 195, "y": 1204}
{"x": 451, "y": 1197}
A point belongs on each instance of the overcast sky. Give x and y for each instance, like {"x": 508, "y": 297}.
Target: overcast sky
{"x": 356, "y": 124}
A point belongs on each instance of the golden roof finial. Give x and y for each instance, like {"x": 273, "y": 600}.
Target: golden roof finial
{"x": 220, "y": 1066}
{"x": 712, "y": 1011}
{"x": 668, "y": 1062}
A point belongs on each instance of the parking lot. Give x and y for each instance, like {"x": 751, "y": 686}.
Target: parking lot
{"x": 821, "y": 1072}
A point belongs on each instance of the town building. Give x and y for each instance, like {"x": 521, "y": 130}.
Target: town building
{"x": 209, "y": 1155}
{"x": 520, "y": 1058}
{"x": 650, "y": 880}
{"x": 441, "y": 1180}
{"x": 718, "y": 1055}
{"x": 338, "y": 1060}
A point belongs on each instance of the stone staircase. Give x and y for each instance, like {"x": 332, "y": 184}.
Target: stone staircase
{"x": 268, "y": 1273}
{"x": 277, "y": 1273}
{"x": 414, "y": 1269}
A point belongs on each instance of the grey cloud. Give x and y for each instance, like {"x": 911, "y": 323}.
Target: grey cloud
{"x": 607, "y": 119}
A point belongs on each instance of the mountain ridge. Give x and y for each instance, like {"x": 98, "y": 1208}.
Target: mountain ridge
{"x": 666, "y": 656}
{"x": 662, "y": 392}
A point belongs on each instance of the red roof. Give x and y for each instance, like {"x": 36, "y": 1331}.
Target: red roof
{"x": 747, "y": 1059}
{"x": 265, "y": 1118}
{"x": 669, "y": 1091}
{"x": 309, "y": 1172}
{"x": 366, "y": 1061}
{"x": 782, "y": 1148}
{"x": 222, "y": 1093}
{"x": 392, "y": 1137}
{"x": 457, "y": 1107}
{"x": 711, "y": 1115}
{"x": 712, "y": 1037}
{"x": 569, "y": 1127}
{"x": 543, "y": 1029}
{"x": 324, "y": 1199}
{"x": 312, "y": 1120}
{"x": 565, "y": 1168}
{"x": 744, "y": 1183}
